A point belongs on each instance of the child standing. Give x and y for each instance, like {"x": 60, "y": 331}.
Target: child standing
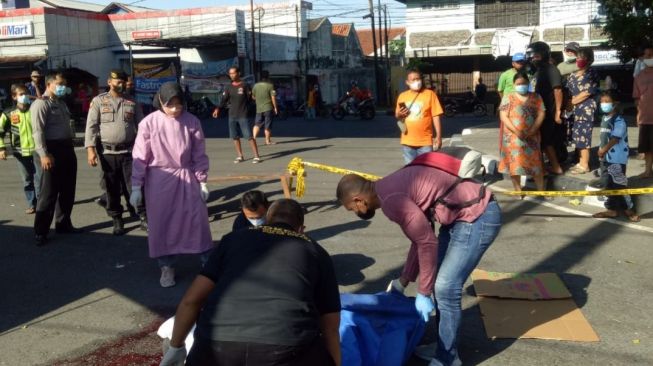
{"x": 17, "y": 122}
{"x": 613, "y": 153}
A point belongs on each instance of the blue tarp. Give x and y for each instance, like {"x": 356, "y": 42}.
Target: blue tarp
{"x": 378, "y": 330}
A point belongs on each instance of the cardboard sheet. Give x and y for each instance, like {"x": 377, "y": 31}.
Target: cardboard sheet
{"x": 550, "y": 319}
{"x": 529, "y": 305}
{"x": 530, "y": 286}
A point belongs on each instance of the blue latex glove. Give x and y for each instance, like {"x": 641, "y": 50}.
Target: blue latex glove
{"x": 424, "y": 305}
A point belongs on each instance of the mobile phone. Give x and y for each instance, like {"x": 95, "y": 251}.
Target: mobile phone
{"x": 402, "y": 105}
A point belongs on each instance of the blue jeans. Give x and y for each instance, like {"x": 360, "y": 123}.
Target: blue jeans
{"x": 29, "y": 168}
{"x": 461, "y": 246}
{"x": 410, "y": 152}
{"x": 310, "y": 113}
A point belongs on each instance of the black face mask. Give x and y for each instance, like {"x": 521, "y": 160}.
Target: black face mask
{"x": 367, "y": 215}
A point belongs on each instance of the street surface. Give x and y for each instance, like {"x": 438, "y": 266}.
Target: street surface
{"x": 95, "y": 299}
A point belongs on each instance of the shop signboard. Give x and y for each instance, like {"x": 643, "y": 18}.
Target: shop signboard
{"x": 16, "y": 30}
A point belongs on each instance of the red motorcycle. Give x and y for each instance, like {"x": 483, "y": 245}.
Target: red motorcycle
{"x": 345, "y": 107}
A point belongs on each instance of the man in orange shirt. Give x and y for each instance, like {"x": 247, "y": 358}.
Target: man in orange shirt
{"x": 418, "y": 108}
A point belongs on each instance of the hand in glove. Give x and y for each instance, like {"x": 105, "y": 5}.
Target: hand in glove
{"x": 173, "y": 356}
{"x": 424, "y": 305}
{"x": 136, "y": 197}
{"x": 204, "y": 191}
{"x": 395, "y": 286}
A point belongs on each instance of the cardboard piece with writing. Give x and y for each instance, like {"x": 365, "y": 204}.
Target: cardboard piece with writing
{"x": 529, "y": 305}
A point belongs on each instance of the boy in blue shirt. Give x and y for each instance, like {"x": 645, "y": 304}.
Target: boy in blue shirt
{"x": 613, "y": 153}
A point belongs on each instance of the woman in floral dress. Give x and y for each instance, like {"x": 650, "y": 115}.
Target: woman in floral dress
{"x": 522, "y": 113}
{"x": 583, "y": 86}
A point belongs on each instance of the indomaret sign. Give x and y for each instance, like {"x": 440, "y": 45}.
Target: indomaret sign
{"x": 16, "y": 30}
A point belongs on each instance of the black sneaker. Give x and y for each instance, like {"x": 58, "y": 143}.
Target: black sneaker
{"x": 101, "y": 201}
{"x": 41, "y": 240}
{"x": 118, "y": 226}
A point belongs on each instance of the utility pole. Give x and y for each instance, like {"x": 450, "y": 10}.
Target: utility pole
{"x": 251, "y": 17}
{"x": 376, "y": 57}
{"x": 382, "y": 97}
{"x": 387, "y": 54}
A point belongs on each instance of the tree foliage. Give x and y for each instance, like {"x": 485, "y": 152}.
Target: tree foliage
{"x": 629, "y": 25}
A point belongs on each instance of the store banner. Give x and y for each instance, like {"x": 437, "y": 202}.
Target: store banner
{"x": 148, "y": 78}
{"x": 206, "y": 77}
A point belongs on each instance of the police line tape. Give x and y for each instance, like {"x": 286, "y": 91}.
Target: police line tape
{"x": 297, "y": 166}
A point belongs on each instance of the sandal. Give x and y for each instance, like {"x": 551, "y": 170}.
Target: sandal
{"x": 631, "y": 215}
{"x": 577, "y": 169}
{"x": 239, "y": 159}
{"x": 30, "y": 211}
{"x": 256, "y": 160}
{"x": 605, "y": 215}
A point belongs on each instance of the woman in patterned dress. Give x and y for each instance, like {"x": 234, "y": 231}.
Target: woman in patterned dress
{"x": 583, "y": 86}
{"x": 522, "y": 114}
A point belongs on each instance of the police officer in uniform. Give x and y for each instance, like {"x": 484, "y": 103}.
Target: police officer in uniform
{"x": 53, "y": 139}
{"x": 112, "y": 120}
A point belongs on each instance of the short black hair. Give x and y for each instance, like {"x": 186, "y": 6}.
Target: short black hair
{"x": 521, "y": 75}
{"x": 252, "y": 200}
{"x": 265, "y": 74}
{"x": 587, "y": 54}
{"x": 286, "y": 211}
{"x": 16, "y": 87}
{"x": 235, "y": 68}
{"x": 50, "y": 77}
{"x": 610, "y": 94}
{"x": 413, "y": 70}
{"x": 351, "y": 185}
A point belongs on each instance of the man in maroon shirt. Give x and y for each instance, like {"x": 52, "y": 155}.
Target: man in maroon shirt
{"x": 443, "y": 263}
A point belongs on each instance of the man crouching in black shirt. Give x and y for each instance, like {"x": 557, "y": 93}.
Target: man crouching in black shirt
{"x": 267, "y": 295}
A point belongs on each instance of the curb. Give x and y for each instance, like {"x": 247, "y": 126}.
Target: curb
{"x": 643, "y": 203}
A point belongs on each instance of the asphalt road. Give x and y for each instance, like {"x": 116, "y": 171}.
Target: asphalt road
{"x": 94, "y": 299}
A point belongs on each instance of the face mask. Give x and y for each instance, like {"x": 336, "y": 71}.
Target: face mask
{"x": 60, "y": 90}
{"x": 24, "y": 99}
{"x": 257, "y": 222}
{"x": 416, "y": 85}
{"x": 536, "y": 63}
{"x": 367, "y": 215}
{"x": 569, "y": 59}
{"x": 581, "y": 63}
{"x": 607, "y": 107}
{"x": 521, "y": 89}
{"x": 118, "y": 89}
{"x": 648, "y": 62}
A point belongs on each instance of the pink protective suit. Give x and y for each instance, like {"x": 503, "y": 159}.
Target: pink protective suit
{"x": 170, "y": 162}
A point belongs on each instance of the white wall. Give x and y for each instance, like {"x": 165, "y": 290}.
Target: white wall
{"x": 419, "y": 19}
{"x": 557, "y": 13}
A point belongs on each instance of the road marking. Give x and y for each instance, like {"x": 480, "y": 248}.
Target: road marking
{"x": 581, "y": 213}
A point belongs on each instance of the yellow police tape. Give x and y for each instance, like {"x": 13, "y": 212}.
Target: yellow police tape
{"x": 297, "y": 165}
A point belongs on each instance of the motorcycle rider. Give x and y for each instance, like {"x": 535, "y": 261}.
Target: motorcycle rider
{"x": 547, "y": 82}
{"x": 355, "y": 95}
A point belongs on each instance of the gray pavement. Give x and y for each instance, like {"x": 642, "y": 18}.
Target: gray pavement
{"x": 94, "y": 299}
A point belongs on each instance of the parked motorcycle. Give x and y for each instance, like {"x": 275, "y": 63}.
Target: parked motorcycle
{"x": 202, "y": 108}
{"x": 364, "y": 110}
{"x": 455, "y": 105}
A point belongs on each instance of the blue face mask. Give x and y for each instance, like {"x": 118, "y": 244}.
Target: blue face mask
{"x": 257, "y": 222}
{"x": 521, "y": 89}
{"x": 60, "y": 90}
{"x": 607, "y": 107}
{"x": 24, "y": 99}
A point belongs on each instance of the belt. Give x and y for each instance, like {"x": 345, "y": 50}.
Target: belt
{"x": 117, "y": 147}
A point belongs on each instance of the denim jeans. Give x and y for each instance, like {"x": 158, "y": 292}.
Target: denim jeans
{"x": 170, "y": 260}
{"x": 310, "y": 113}
{"x": 29, "y": 168}
{"x": 410, "y": 152}
{"x": 461, "y": 246}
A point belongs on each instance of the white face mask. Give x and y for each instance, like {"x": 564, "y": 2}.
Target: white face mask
{"x": 648, "y": 62}
{"x": 257, "y": 222}
{"x": 416, "y": 85}
{"x": 568, "y": 58}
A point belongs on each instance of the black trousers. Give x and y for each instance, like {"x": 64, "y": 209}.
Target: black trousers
{"x": 116, "y": 175}
{"x": 57, "y": 188}
{"x": 219, "y": 353}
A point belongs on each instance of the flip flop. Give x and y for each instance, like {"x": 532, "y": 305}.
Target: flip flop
{"x": 632, "y": 217}
{"x": 256, "y": 160}
{"x": 577, "y": 169}
{"x": 271, "y": 143}
{"x": 239, "y": 159}
{"x": 604, "y": 215}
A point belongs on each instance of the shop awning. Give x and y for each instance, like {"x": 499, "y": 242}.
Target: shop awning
{"x": 20, "y": 59}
